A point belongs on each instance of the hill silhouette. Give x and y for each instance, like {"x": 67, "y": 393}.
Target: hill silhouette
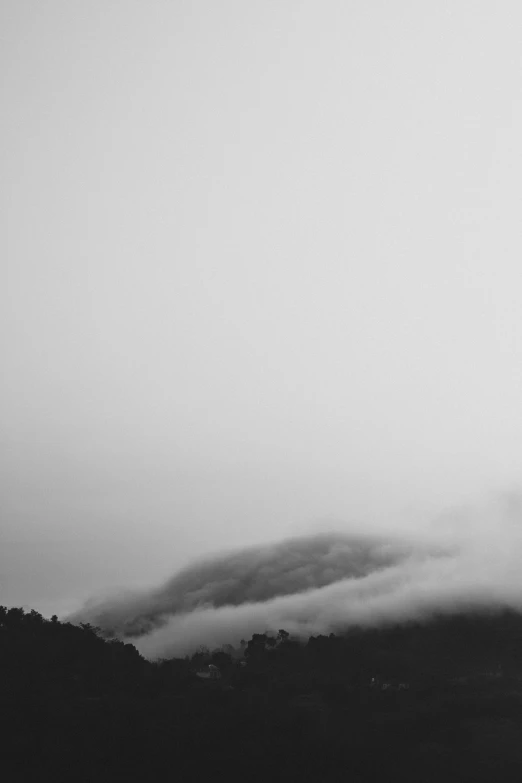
{"x": 430, "y": 701}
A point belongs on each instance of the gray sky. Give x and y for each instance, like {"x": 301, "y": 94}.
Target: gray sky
{"x": 261, "y": 269}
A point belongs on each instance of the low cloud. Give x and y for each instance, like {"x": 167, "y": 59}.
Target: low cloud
{"x": 325, "y": 583}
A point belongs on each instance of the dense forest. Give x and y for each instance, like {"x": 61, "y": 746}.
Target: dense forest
{"x": 424, "y": 702}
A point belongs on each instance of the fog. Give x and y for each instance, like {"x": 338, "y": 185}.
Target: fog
{"x": 261, "y": 281}
{"x": 252, "y": 575}
{"x": 326, "y": 583}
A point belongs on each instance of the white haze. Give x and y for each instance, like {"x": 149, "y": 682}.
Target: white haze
{"x": 261, "y": 275}
{"x": 476, "y": 567}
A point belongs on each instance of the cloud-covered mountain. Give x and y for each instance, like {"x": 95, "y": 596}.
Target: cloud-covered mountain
{"x": 325, "y": 583}
{"x": 252, "y": 576}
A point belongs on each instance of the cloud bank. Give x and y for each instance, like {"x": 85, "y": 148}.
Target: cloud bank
{"x": 325, "y": 583}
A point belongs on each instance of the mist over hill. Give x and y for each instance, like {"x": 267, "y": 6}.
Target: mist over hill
{"x": 324, "y": 583}
{"x": 255, "y": 579}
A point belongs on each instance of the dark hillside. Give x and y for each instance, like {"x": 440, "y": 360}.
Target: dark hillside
{"x": 419, "y": 702}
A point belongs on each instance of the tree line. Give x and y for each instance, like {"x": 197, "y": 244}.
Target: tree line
{"x": 431, "y": 701}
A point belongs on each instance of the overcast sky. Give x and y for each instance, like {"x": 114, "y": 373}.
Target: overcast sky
{"x": 261, "y": 270}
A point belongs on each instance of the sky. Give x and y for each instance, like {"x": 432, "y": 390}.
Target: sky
{"x": 261, "y": 271}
